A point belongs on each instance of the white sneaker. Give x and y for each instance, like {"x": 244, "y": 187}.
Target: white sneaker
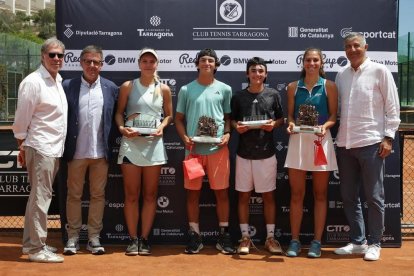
{"x": 373, "y": 253}
{"x": 273, "y": 246}
{"x": 52, "y": 249}
{"x": 72, "y": 246}
{"x": 95, "y": 246}
{"x": 244, "y": 247}
{"x": 352, "y": 248}
{"x": 45, "y": 256}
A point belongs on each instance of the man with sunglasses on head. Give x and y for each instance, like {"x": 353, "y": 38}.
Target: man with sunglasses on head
{"x": 40, "y": 129}
{"x": 91, "y": 107}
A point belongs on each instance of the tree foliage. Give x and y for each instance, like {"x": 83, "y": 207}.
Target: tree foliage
{"x": 37, "y": 27}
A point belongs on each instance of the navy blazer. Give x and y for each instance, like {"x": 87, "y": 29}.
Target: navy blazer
{"x": 110, "y": 95}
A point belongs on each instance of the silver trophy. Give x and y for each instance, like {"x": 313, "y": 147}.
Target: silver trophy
{"x": 255, "y": 121}
{"x": 144, "y": 124}
{"x": 307, "y": 120}
{"x": 206, "y": 131}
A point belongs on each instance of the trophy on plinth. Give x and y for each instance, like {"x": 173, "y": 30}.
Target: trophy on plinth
{"x": 307, "y": 120}
{"x": 144, "y": 124}
{"x": 254, "y": 121}
{"x": 206, "y": 131}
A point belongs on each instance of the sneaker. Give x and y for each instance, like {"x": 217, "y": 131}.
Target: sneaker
{"x": 45, "y": 256}
{"x": 373, "y": 253}
{"x": 95, "y": 246}
{"x": 273, "y": 246}
{"x": 294, "y": 248}
{"x": 314, "y": 249}
{"x": 143, "y": 247}
{"x": 132, "y": 249}
{"x": 244, "y": 246}
{"x": 224, "y": 244}
{"x": 195, "y": 244}
{"x": 52, "y": 249}
{"x": 71, "y": 246}
{"x": 352, "y": 248}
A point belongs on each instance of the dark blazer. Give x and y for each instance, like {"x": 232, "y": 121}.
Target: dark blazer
{"x": 110, "y": 95}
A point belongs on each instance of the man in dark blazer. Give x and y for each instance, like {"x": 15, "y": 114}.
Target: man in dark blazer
{"x": 91, "y": 106}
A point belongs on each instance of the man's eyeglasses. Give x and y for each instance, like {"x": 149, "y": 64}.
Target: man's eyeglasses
{"x": 90, "y": 62}
{"x": 59, "y": 55}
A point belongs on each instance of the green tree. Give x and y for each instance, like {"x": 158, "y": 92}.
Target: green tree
{"x": 45, "y": 21}
{"x": 37, "y": 27}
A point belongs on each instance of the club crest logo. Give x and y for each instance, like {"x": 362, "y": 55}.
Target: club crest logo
{"x": 231, "y": 12}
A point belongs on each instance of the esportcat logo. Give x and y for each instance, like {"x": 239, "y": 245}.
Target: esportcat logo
{"x": 376, "y": 34}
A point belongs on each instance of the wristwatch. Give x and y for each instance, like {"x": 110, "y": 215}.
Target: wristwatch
{"x": 389, "y": 139}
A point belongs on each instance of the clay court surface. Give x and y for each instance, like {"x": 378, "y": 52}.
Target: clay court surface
{"x": 170, "y": 260}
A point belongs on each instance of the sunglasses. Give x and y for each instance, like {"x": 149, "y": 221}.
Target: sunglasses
{"x": 59, "y": 55}
{"x": 90, "y": 62}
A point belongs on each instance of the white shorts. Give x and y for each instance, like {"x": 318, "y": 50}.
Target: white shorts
{"x": 257, "y": 174}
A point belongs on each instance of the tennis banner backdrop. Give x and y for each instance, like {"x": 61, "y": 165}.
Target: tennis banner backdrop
{"x": 276, "y": 30}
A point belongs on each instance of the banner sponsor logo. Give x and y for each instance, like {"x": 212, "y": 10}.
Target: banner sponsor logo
{"x": 337, "y": 228}
{"x": 333, "y": 182}
{"x": 172, "y": 84}
{"x": 69, "y": 32}
{"x": 282, "y": 87}
{"x": 157, "y": 33}
{"x": 174, "y": 232}
{"x": 329, "y": 61}
{"x": 231, "y": 12}
{"x": 235, "y": 61}
{"x": 229, "y": 15}
{"x": 207, "y": 205}
{"x": 168, "y": 176}
{"x": 286, "y": 209}
{"x": 281, "y": 175}
{"x": 115, "y": 205}
{"x": 332, "y": 204}
{"x": 174, "y": 146}
{"x": 397, "y": 176}
{"x": 11, "y": 157}
{"x": 163, "y": 202}
{"x": 279, "y": 146}
{"x": 119, "y": 233}
{"x": 309, "y": 33}
{"x": 214, "y": 233}
{"x": 387, "y": 238}
{"x": 14, "y": 181}
{"x": 278, "y": 232}
{"x": 394, "y": 205}
{"x": 252, "y": 231}
{"x": 337, "y": 233}
{"x": 256, "y": 205}
{"x": 372, "y": 34}
{"x": 113, "y": 175}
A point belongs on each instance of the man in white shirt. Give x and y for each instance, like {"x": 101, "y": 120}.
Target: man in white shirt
{"x": 40, "y": 129}
{"x": 369, "y": 118}
{"x": 91, "y": 103}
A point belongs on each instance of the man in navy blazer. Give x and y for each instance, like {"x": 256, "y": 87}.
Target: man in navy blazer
{"x": 91, "y": 106}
